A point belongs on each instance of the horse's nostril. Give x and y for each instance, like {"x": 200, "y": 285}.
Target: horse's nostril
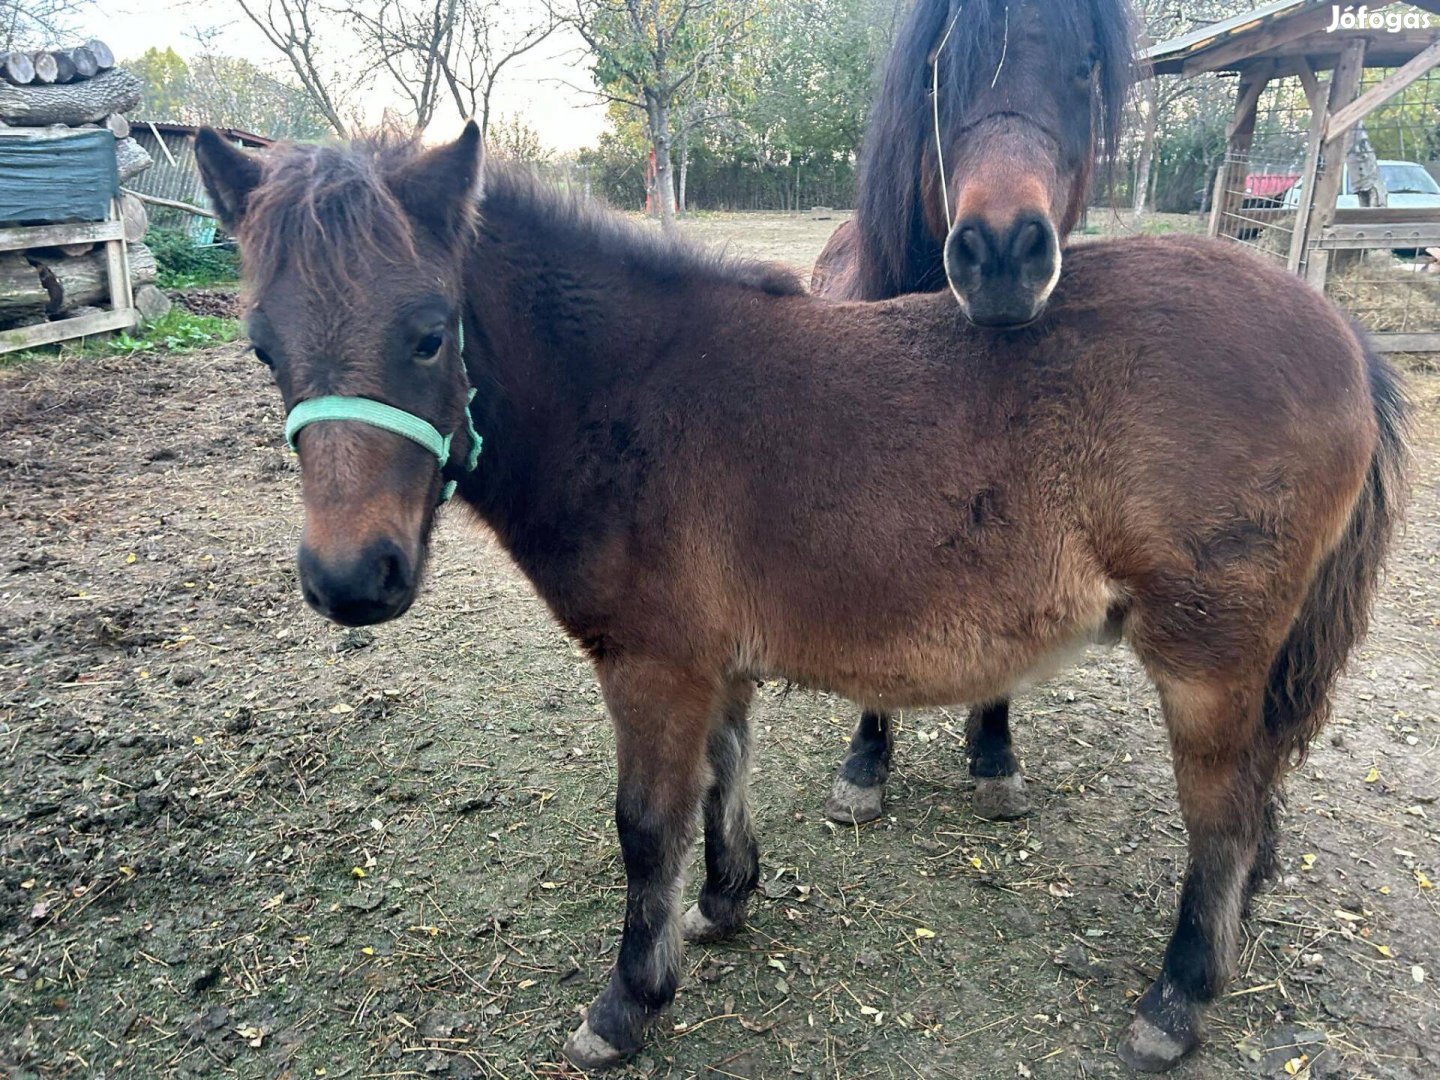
{"x": 971, "y": 246}
{"x": 391, "y": 571}
{"x": 1031, "y": 242}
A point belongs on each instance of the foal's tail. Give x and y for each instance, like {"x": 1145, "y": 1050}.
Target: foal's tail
{"x": 1336, "y": 612}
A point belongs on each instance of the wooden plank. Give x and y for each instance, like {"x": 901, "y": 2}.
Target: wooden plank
{"x": 85, "y": 232}
{"x": 1342, "y": 121}
{"x": 1417, "y": 343}
{"x": 1319, "y": 99}
{"x": 174, "y": 204}
{"x": 1248, "y": 46}
{"x": 30, "y": 337}
{"x": 1314, "y": 92}
{"x": 1365, "y": 237}
{"x": 117, "y": 268}
{"x": 1252, "y": 85}
{"x": 1241, "y": 133}
{"x": 1344, "y": 86}
{"x": 1387, "y": 215}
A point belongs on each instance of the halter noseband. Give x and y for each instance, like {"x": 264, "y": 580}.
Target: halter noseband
{"x": 397, "y": 421}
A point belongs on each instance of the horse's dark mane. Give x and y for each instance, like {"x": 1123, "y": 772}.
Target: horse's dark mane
{"x": 328, "y": 208}
{"x": 895, "y": 245}
{"x": 548, "y": 216}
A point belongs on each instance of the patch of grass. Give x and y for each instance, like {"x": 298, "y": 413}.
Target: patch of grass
{"x": 177, "y": 331}
{"x": 184, "y": 265}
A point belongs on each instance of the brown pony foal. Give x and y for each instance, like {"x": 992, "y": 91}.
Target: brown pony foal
{"x": 712, "y": 478}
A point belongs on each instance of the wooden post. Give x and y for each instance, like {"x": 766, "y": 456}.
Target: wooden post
{"x": 1317, "y": 95}
{"x": 1241, "y": 133}
{"x": 1344, "y": 86}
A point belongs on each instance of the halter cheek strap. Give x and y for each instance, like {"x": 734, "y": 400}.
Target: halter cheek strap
{"x": 397, "y": 421}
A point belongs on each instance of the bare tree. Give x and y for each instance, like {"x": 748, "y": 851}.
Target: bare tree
{"x": 28, "y": 22}
{"x": 291, "y": 26}
{"x": 460, "y": 47}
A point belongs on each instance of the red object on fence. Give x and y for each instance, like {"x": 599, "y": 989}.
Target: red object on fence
{"x": 1270, "y": 185}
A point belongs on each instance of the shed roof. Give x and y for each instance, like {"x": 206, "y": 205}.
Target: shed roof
{"x": 1290, "y": 31}
{"x": 244, "y": 138}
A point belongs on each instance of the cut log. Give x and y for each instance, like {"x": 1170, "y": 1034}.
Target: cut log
{"x": 151, "y": 303}
{"x": 103, "y": 56}
{"x": 17, "y": 69}
{"x": 79, "y": 103}
{"x": 117, "y": 125}
{"x": 72, "y": 282}
{"x": 86, "y": 66}
{"x": 22, "y": 295}
{"x": 46, "y": 69}
{"x": 131, "y": 159}
{"x": 135, "y": 217}
{"x": 64, "y": 66}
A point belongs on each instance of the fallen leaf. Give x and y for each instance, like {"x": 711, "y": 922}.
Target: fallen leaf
{"x": 1295, "y": 1064}
{"x": 1372, "y": 775}
{"x": 921, "y": 932}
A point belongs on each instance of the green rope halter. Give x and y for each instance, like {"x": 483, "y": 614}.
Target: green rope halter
{"x": 388, "y": 418}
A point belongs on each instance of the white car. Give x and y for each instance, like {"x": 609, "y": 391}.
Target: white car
{"x": 1407, "y": 186}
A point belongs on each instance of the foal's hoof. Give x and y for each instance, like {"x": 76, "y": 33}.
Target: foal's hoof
{"x": 1001, "y": 798}
{"x": 698, "y": 927}
{"x": 851, "y": 804}
{"x": 588, "y": 1051}
{"x": 1148, "y": 1048}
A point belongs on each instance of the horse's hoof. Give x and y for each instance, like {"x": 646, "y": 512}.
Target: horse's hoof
{"x": 589, "y": 1051}
{"x": 1148, "y": 1048}
{"x": 698, "y": 927}
{"x": 1001, "y": 798}
{"x": 851, "y": 804}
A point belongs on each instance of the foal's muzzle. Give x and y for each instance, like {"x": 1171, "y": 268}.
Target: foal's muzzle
{"x": 1003, "y": 277}
{"x": 371, "y": 586}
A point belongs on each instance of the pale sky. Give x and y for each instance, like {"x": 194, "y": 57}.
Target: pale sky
{"x": 532, "y": 86}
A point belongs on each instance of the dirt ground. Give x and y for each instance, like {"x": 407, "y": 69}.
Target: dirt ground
{"x": 237, "y": 841}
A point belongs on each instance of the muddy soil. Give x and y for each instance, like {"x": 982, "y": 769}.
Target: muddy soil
{"x": 237, "y": 841}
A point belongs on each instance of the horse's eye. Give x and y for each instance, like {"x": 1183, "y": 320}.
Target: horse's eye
{"x": 428, "y": 346}
{"x": 264, "y": 357}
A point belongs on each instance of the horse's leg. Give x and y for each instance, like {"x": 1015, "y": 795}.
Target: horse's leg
{"x": 999, "y": 784}
{"x": 662, "y": 715}
{"x": 859, "y": 792}
{"x": 1226, "y": 772}
{"x": 732, "y": 857}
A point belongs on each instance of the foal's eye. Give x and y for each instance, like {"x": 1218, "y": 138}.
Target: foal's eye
{"x": 263, "y": 357}
{"x": 428, "y": 346}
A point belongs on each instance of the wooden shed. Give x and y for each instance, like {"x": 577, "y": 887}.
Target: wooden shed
{"x": 1296, "y": 200}
{"x": 175, "y": 176}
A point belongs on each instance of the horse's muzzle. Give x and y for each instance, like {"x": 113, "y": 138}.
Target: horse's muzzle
{"x": 376, "y": 584}
{"x": 1003, "y": 278}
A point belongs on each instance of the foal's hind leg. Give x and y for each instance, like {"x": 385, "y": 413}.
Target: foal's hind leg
{"x": 732, "y": 856}
{"x": 662, "y": 716}
{"x": 1225, "y": 769}
{"x": 859, "y": 792}
{"x": 999, "y": 784}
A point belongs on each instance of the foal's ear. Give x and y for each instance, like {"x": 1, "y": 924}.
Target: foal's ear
{"x": 230, "y": 174}
{"x": 441, "y": 187}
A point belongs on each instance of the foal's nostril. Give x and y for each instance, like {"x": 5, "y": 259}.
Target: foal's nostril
{"x": 368, "y": 587}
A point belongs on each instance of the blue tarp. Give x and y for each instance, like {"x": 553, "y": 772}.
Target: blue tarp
{"x": 47, "y": 180}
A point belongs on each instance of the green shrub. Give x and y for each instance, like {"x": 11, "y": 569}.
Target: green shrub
{"x": 177, "y": 331}
{"x": 182, "y": 264}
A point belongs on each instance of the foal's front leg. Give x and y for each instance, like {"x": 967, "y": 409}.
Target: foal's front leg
{"x": 661, "y": 715}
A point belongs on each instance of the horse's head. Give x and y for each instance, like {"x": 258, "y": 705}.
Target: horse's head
{"x": 352, "y": 264}
{"x": 1020, "y": 91}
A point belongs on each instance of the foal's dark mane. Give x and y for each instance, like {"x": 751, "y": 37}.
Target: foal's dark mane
{"x": 329, "y": 208}
{"x": 889, "y": 212}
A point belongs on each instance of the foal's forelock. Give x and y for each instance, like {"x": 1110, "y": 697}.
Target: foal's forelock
{"x": 326, "y": 212}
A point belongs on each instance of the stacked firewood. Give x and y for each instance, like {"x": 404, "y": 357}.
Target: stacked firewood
{"x": 46, "y": 93}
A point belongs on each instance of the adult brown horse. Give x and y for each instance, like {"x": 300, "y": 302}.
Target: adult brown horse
{"x": 976, "y": 160}
{"x": 711, "y": 478}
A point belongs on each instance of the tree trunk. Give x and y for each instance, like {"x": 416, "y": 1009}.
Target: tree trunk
{"x": 80, "y": 103}
{"x": 664, "y": 172}
{"x": 73, "y": 282}
{"x": 1147, "y": 152}
{"x": 684, "y": 168}
{"x": 22, "y": 296}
